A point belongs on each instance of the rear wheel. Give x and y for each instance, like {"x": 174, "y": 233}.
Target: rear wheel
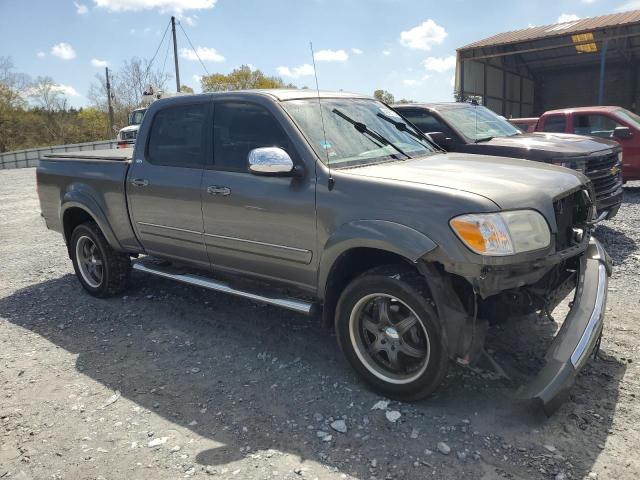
{"x": 102, "y": 271}
{"x": 390, "y": 332}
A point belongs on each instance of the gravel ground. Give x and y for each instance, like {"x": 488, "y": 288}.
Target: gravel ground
{"x": 171, "y": 381}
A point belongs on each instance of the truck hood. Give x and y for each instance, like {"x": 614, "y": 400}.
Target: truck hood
{"x": 558, "y": 144}
{"x": 509, "y": 183}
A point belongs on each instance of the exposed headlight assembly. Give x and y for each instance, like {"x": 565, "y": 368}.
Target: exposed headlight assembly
{"x": 503, "y": 233}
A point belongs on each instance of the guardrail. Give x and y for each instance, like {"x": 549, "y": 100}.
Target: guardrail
{"x": 31, "y": 156}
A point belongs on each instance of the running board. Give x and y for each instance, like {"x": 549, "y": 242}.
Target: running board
{"x": 299, "y": 306}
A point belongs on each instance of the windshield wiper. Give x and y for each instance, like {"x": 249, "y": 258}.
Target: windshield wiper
{"x": 371, "y": 134}
{"x": 484, "y": 139}
{"x": 403, "y": 128}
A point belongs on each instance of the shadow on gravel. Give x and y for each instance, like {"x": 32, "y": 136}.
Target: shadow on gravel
{"x": 619, "y": 245}
{"x": 262, "y": 374}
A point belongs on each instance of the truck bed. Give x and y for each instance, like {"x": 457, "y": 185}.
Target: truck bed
{"x": 96, "y": 178}
{"x": 121, "y": 154}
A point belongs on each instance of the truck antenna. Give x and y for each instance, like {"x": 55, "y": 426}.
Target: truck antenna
{"x": 325, "y": 145}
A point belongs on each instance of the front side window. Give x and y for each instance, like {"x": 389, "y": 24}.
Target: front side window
{"x": 425, "y": 121}
{"x": 177, "y": 136}
{"x": 555, "y": 124}
{"x": 135, "y": 117}
{"x": 629, "y": 117}
{"x": 238, "y": 128}
{"x": 595, "y": 125}
{"x": 476, "y": 122}
{"x": 358, "y": 131}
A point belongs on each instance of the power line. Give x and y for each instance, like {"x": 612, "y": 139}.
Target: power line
{"x": 157, "y": 50}
{"x": 166, "y": 55}
{"x": 192, "y": 48}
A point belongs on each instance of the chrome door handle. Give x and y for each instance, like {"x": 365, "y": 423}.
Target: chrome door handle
{"x": 140, "y": 182}
{"x": 217, "y": 190}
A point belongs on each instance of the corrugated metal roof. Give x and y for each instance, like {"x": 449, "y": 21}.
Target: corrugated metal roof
{"x": 558, "y": 29}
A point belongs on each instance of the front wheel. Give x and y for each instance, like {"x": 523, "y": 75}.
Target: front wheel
{"x": 390, "y": 332}
{"x": 102, "y": 271}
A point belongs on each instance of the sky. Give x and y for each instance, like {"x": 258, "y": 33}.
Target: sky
{"x": 404, "y": 46}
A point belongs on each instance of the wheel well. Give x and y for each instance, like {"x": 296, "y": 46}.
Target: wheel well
{"x": 72, "y": 218}
{"x": 348, "y": 266}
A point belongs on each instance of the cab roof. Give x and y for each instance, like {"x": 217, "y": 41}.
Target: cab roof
{"x": 282, "y": 94}
{"x": 602, "y": 108}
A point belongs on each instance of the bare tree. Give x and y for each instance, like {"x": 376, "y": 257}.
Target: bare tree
{"x": 47, "y": 94}
{"x": 127, "y": 86}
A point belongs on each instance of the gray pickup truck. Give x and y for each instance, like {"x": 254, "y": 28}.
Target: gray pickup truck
{"x": 331, "y": 204}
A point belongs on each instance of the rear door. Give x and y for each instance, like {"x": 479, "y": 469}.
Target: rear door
{"x": 258, "y": 225}
{"x": 556, "y": 123}
{"x": 164, "y": 182}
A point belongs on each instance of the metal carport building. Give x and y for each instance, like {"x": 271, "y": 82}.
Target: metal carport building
{"x": 522, "y": 73}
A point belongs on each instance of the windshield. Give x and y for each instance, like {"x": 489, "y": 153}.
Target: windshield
{"x": 135, "y": 117}
{"x": 358, "y": 131}
{"x": 629, "y": 117}
{"x": 478, "y": 123}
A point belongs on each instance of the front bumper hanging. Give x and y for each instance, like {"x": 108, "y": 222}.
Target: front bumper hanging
{"x": 578, "y": 336}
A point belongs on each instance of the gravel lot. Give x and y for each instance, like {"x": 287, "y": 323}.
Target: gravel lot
{"x": 171, "y": 381}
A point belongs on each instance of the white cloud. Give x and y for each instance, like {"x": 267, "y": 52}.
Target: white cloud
{"x": 205, "y": 54}
{"x": 331, "y": 56}
{"x": 41, "y": 54}
{"x": 588, "y": 1}
{"x": 99, "y": 63}
{"x": 440, "y": 64}
{"x": 81, "y": 8}
{"x": 356, "y": 51}
{"x": 295, "y": 72}
{"x": 386, "y": 53}
{"x": 424, "y": 36}
{"x": 629, "y": 5}
{"x": 426, "y": 77}
{"x": 567, "y": 17}
{"x": 452, "y": 80}
{"x": 64, "y": 51}
{"x": 410, "y": 82}
{"x": 67, "y": 90}
{"x": 197, "y": 79}
{"x": 177, "y": 6}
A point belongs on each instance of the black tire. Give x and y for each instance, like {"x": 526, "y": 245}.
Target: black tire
{"x": 115, "y": 267}
{"x": 407, "y": 292}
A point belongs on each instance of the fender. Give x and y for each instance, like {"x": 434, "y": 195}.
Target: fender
{"x": 380, "y": 234}
{"x": 78, "y": 198}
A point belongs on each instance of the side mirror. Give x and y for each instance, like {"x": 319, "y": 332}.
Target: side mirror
{"x": 622, "y": 133}
{"x": 440, "y": 139}
{"x": 270, "y": 161}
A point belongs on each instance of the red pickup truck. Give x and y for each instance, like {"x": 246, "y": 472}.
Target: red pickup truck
{"x": 606, "y": 122}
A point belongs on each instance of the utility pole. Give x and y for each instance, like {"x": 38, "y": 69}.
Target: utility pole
{"x": 106, "y": 72}
{"x": 175, "y": 52}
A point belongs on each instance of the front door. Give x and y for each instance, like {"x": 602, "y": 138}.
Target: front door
{"x": 257, "y": 225}
{"x": 165, "y": 180}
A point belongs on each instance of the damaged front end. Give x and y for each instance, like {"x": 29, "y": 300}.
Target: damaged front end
{"x": 579, "y": 334}
{"x": 497, "y": 292}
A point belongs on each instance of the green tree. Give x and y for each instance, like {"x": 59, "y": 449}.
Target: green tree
{"x": 383, "y": 96}
{"x": 242, "y": 78}
{"x": 94, "y": 124}
{"x": 186, "y": 89}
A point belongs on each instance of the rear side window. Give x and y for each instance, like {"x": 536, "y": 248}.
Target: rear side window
{"x": 555, "y": 124}
{"x": 238, "y": 128}
{"x": 596, "y": 125}
{"x": 177, "y": 136}
{"x": 425, "y": 121}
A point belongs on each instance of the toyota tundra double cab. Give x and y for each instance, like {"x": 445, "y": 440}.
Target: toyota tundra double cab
{"x": 332, "y": 204}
